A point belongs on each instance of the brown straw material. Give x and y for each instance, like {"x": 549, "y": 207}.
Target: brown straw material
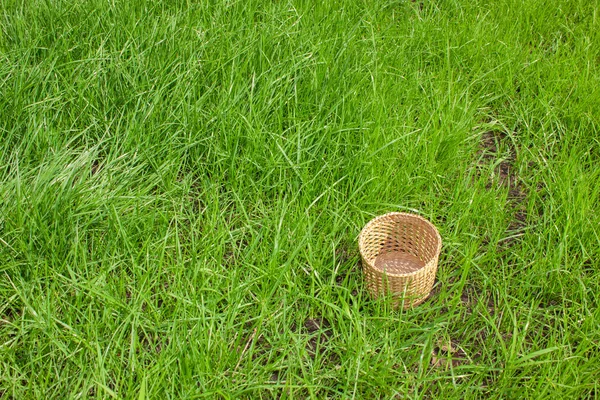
{"x": 400, "y": 254}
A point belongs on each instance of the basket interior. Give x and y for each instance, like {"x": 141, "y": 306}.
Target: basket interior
{"x": 398, "y": 263}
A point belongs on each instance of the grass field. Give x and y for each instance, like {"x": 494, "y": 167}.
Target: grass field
{"x": 182, "y": 184}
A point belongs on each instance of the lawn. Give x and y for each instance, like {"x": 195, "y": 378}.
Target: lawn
{"x": 182, "y": 185}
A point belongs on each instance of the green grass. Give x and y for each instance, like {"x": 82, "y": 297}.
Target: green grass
{"x": 182, "y": 184}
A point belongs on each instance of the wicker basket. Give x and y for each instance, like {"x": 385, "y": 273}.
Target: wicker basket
{"x": 400, "y": 256}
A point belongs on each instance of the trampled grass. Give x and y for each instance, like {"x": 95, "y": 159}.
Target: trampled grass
{"x": 182, "y": 184}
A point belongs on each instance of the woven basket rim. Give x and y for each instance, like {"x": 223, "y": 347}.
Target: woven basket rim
{"x": 404, "y": 214}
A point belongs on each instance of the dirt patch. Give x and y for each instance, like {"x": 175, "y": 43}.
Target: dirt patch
{"x": 348, "y": 271}
{"x": 198, "y": 204}
{"x": 8, "y": 315}
{"x": 345, "y": 253}
{"x": 419, "y": 4}
{"x": 151, "y": 342}
{"x": 435, "y": 290}
{"x": 490, "y": 143}
{"x": 593, "y": 394}
{"x": 448, "y": 354}
{"x": 257, "y": 345}
{"x": 506, "y": 174}
{"x": 588, "y": 267}
{"x": 314, "y": 325}
{"x": 261, "y": 345}
{"x": 232, "y": 250}
{"x": 489, "y": 151}
{"x": 128, "y": 295}
{"x": 95, "y": 167}
{"x": 275, "y": 376}
{"x": 319, "y": 330}
{"x": 472, "y": 296}
{"x": 550, "y": 299}
{"x": 520, "y": 220}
